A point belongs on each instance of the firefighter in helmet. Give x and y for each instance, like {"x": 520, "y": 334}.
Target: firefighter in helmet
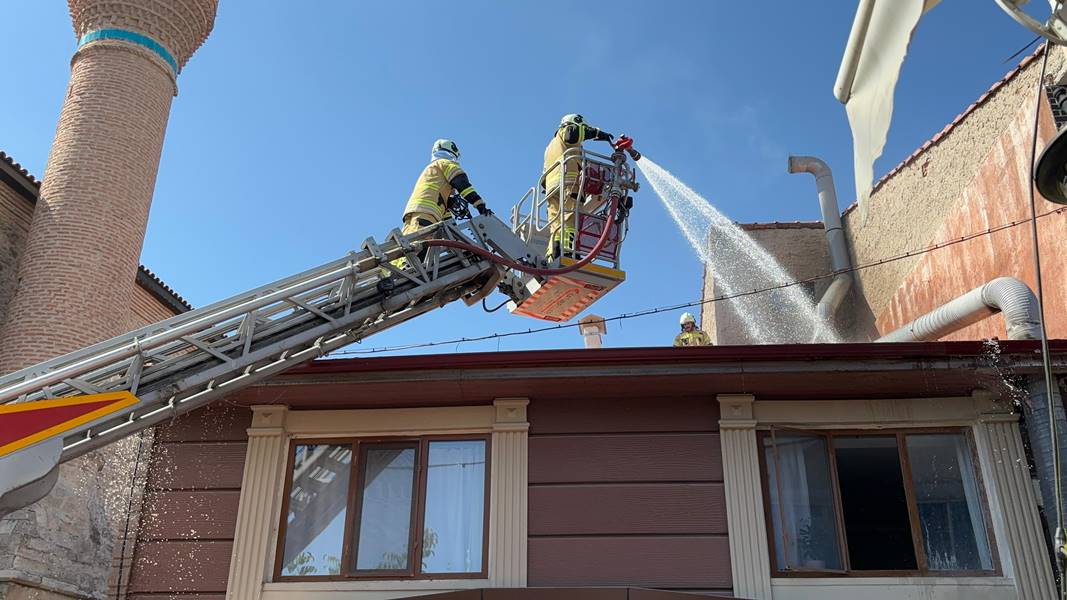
{"x": 428, "y": 203}
{"x": 691, "y": 335}
{"x": 572, "y": 131}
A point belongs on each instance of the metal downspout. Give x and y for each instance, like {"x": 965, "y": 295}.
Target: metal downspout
{"x": 840, "y": 261}
{"x": 1017, "y": 302}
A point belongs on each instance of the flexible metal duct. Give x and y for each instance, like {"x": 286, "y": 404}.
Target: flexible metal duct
{"x": 1007, "y": 295}
{"x": 835, "y": 235}
{"x": 1018, "y": 304}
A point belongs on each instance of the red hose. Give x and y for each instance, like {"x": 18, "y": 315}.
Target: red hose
{"x": 535, "y": 270}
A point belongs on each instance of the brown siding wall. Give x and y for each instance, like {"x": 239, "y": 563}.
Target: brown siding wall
{"x": 190, "y": 508}
{"x": 627, "y": 492}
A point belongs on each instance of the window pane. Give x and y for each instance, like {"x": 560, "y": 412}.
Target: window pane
{"x": 802, "y": 505}
{"x": 950, "y": 512}
{"x": 455, "y": 499}
{"x": 877, "y": 525}
{"x": 385, "y": 518}
{"x": 315, "y": 525}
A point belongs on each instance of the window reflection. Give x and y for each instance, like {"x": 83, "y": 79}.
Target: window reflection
{"x": 802, "y": 505}
{"x": 385, "y": 516}
{"x": 946, "y": 492}
{"x": 315, "y": 524}
{"x": 455, "y": 495}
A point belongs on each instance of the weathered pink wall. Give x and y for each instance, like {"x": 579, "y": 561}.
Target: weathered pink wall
{"x": 995, "y": 196}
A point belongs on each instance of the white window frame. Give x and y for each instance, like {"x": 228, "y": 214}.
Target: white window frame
{"x": 262, "y": 493}
{"x": 1002, "y": 466}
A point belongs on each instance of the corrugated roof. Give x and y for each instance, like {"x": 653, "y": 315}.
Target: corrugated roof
{"x": 30, "y": 187}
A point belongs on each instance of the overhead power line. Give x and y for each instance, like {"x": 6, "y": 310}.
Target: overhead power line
{"x": 652, "y": 311}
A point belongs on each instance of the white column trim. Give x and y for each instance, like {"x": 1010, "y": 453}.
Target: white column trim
{"x": 1013, "y": 505}
{"x": 508, "y": 495}
{"x": 257, "y": 512}
{"x": 750, "y": 564}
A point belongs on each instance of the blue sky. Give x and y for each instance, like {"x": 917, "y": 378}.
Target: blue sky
{"x": 299, "y": 132}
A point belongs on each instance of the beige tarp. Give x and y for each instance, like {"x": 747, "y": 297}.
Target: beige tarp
{"x": 870, "y": 106}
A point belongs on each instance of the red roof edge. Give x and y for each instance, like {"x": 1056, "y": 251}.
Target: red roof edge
{"x": 664, "y": 354}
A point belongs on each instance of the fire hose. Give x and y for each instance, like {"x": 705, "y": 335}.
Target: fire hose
{"x": 600, "y": 243}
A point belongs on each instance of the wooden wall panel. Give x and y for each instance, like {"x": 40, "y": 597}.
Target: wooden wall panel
{"x": 625, "y": 458}
{"x": 218, "y": 422}
{"x": 194, "y": 515}
{"x": 628, "y": 509}
{"x": 627, "y": 492}
{"x": 190, "y": 511}
{"x": 668, "y": 561}
{"x": 187, "y": 566}
{"x": 197, "y": 465}
{"x": 623, "y": 415}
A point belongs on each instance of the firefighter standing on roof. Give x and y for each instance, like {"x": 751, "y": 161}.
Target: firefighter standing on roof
{"x": 571, "y": 133}
{"x": 691, "y": 335}
{"x": 428, "y": 203}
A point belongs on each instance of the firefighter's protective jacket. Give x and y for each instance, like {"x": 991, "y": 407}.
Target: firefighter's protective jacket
{"x": 567, "y": 137}
{"x": 435, "y": 184}
{"x": 696, "y": 337}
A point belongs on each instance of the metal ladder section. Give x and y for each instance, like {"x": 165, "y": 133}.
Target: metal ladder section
{"x": 187, "y": 361}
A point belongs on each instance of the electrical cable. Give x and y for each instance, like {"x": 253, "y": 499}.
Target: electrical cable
{"x": 486, "y": 308}
{"x": 1046, "y": 359}
{"x": 652, "y": 311}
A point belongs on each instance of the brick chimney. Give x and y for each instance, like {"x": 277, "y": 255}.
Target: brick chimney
{"x": 78, "y": 268}
{"x": 592, "y": 328}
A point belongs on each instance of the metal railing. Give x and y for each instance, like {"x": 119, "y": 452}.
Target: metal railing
{"x": 581, "y": 213}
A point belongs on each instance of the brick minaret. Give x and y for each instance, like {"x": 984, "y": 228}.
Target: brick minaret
{"x": 78, "y": 268}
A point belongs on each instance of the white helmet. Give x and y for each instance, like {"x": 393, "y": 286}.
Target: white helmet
{"x": 571, "y": 119}
{"x": 687, "y": 318}
{"x": 445, "y": 146}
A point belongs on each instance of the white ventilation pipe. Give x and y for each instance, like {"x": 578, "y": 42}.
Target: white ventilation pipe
{"x": 1007, "y": 295}
{"x": 846, "y": 73}
{"x": 835, "y": 235}
{"x": 1018, "y": 304}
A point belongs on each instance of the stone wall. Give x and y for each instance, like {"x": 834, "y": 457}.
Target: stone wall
{"x": 970, "y": 177}
{"x": 920, "y": 202}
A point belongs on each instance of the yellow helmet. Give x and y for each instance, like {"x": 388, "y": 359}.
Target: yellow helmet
{"x": 687, "y": 318}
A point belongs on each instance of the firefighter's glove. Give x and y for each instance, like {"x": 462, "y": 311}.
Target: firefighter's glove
{"x": 484, "y": 210}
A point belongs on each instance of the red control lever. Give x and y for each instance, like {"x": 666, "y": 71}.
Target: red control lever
{"x": 627, "y": 144}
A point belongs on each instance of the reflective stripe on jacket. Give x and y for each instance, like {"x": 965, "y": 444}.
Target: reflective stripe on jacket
{"x": 692, "y": 338}
{"x": 555, "y": 150}
{"x": 432, "y": 189}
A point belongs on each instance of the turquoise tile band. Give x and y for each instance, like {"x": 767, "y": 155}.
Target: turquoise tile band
{"x": 134, "y": 38}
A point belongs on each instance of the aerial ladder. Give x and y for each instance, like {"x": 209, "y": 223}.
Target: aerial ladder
{"x": 140, "y": 379}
